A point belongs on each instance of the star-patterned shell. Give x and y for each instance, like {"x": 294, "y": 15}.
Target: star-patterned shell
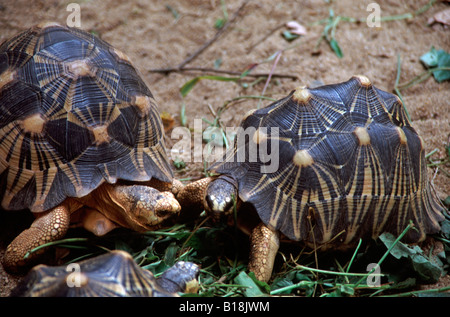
{"x": 74, "y": 113}
{"x": 113, "y": 274}
{"x": 350, "y": 166}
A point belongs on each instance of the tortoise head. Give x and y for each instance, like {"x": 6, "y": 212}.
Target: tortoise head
{"x": 221, "y": 195}
{"x": 142, "y": 207}
{"x": 155, "y": 208}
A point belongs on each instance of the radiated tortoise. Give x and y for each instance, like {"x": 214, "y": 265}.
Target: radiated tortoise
{"x": 325, "y": 166}
{"x": 114, "y": 274}
{"x": 79, "y": 131}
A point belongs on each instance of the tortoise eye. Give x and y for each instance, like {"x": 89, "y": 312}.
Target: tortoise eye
{"x": 210, "y": 202}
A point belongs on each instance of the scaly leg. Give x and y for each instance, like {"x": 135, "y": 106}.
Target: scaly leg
{"x": 263, "y": 249}
{"x": 191, "y": 198}
{"x": 50, "y": 226}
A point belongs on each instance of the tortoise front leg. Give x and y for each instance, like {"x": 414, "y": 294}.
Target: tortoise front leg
{"x": 193, "y": 194}
{"x": 50, "y": 226}
{"x": 192, "y": 198}
{"x": 264, "y": 244}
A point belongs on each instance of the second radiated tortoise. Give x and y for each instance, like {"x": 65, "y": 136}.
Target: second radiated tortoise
{"x": 114, "y": 274}
{"x": 326, "y": 166}
{"x": 79, "y": 131}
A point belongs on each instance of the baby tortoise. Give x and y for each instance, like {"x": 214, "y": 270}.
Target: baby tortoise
{"x": 114, "y": 274}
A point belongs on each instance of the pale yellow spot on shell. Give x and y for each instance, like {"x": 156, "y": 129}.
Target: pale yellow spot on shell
{"x": 144, "y": 104}
{"x": 101, "y": 134}
{"x": 121, "y": 55}
{"x": 362, "y": 135}
{"x": 80, "y": 68}
{"x": 47, "y": 24}
{"x": 6, "y": 77}
{"x": 401, "y": 135}
{"x": 249, "y": 113}
{"x": 302, "y": 95}
{"x": 302, "y": 158}
{"x": 363, "y": 80}
{"x": 33, "y": 124}
{"x": 422, "y": 142}
{"x": 259, "y": 136}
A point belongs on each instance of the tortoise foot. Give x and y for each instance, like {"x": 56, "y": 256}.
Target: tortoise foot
{"x": 50, "y": 226}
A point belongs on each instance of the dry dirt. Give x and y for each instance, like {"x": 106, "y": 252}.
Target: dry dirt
{"x": 153, "y": 38}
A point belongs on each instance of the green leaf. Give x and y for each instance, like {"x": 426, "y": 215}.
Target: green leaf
{"x": 399, "y": 250}
{"x": 446, "y": 254}
{"x": 262, "y": 285}
{"x": 407, "y": 283}
{"x": 217, "y": 63}
{"x": 187, "y": 87}
{"x": 346, "y": 290}
{"x": 171, "y": 254}
{"x": 214, "y": 135}
{"x": 251, "y": 290}
{"x": 430, "y": 59}
{"x": 437, "y": 59}
{"x": 444, "y": 61}
{"x": 174, "y": 12}
{"x": 281, "y": 284}
{"x": 288, "y": 36}
{"x": 183, "y": 118}
{"x": 179, "y": 163}
{"x": 445, "y": 225}
{"x": 335, "y": 47}
{"x": 425, "y": 269}
{"x": 219, "y": 23}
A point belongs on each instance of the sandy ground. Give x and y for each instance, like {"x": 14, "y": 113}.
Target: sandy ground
{"x": 150, "y": 34}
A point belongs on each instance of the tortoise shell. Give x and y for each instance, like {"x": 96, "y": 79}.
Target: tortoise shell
{"x": 350, "y": 165}
{"x": 74, "y": 113}
{"x": 113, "y": 274}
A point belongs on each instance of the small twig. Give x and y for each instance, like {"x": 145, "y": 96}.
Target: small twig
{"x": 302, "y": 267}
{"x": 218, "y": 71}
{"x": 218, "y": 34}
{"x": 421, "y": 77}
{"x": 396, "y": 88}
{"x": 270, "y": 75}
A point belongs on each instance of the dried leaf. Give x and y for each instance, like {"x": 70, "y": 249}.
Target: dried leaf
{"x": 441, "y": 17}
{"x": 168, "y": 121}
{"x": 296, "y": 28}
